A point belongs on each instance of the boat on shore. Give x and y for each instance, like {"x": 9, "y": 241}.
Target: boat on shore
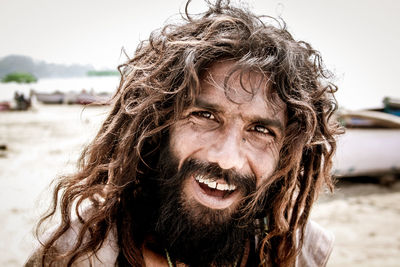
{"x": 370, "y": 145}
{"x": 82, "y": 98}
{"x": 50, "y": 98}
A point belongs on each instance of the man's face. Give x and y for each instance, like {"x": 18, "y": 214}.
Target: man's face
{"x": 219, "y": 151}
{"x": 241, "y": 133}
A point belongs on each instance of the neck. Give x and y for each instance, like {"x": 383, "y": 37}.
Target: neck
{"x": 156, "y": 259}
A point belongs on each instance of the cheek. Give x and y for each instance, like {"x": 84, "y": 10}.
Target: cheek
{"x": 264, "y": 163}
{"x": 185, "y": 140}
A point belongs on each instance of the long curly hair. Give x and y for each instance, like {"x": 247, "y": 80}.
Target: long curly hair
{"x": 157, "y": 84}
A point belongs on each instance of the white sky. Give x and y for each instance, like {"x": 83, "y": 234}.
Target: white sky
{"x": 359, "y": 40}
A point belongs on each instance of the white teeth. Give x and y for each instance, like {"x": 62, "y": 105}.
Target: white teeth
{"x": 223, "y": 187}
{"x": 220, "y": 187}
{"x": 214, "y": 185}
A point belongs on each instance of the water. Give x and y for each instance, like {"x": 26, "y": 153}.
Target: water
{"x": 106, "y": 84}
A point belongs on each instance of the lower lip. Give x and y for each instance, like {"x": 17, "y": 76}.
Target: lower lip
{"x": 213, "y": 202}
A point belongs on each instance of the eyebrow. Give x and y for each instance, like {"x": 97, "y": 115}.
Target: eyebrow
{"x": 200, "y": 103}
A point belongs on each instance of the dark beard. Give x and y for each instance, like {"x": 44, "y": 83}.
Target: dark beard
{"x": 192, "y": 233}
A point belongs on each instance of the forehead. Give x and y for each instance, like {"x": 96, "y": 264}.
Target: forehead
{"x": 222, "y": 82}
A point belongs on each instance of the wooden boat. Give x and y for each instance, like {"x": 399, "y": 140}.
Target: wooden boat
{"x": 82, "y": 98}
{"x": 370, "y": 147}
{"x": 392, "y": 105}
{"x": 369, "y": 152}
{"x": 50, "y": 98}
{"x": 5, "y": 106}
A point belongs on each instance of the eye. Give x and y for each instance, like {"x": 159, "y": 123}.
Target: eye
{"x": 260, "y": 129}
{"x": 203, "y": 114}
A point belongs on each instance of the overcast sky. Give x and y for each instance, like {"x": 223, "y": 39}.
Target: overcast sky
{"x": 359, "y": 40}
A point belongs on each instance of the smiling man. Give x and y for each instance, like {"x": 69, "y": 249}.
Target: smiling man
{"x": 217, "y": 145}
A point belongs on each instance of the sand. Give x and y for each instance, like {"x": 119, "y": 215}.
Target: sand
{"x": 46, "y": 142}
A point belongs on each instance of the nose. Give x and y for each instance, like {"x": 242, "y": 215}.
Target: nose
{"x": 226, "y": 150}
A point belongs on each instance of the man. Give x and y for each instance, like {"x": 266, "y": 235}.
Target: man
{"x": 217, "y": 145}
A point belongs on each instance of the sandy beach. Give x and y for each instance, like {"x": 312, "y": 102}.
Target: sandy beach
{"x": 45, "y": 142}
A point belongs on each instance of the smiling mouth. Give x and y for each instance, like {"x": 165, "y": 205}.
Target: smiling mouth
{"x": 212, "y": 193}
{"x": 214, "y": 188}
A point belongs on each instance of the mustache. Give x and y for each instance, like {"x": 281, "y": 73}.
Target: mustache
{"x": 245, "y": 183}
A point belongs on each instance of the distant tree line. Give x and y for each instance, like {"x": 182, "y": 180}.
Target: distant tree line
{"x": 40, "y": 69}
{"x": 103, "y": 73}
{"x": 19, "y": 77}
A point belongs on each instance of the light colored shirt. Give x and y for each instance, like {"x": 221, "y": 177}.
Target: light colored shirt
{"x": 316, "y": 249}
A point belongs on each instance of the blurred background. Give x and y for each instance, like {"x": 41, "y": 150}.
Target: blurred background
{"x": 58, "y": 56}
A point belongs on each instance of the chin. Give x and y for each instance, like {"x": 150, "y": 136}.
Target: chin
{"x": 200, "y": 220}
{"x": 199, "y": 234}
